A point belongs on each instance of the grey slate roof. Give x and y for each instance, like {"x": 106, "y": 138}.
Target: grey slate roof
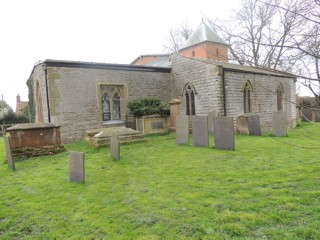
{"x": 161, "y": 60}
{"x": 242, "y": 68}
{"x": 203, "y": 33}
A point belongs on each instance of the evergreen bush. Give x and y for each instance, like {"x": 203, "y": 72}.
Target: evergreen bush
{"x": 148, "y": 106}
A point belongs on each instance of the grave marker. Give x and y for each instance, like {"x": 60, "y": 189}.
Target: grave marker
{"x": 279, "y": 124}
{"x": 254, "y": 125}
{"x": 211, "y": 115}
{"x": 223, "y": 133}
{"x": 182, "y": 130}
{"x": 8, "y": 152}
{"x": 76, "y": 167}
{"x": 200, "y": 133}
{"x": 115, "y": 146}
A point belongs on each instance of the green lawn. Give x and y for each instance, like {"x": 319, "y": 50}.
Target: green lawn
{"x": 269, "y": 188}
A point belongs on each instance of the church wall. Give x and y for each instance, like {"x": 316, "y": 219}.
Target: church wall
{"x": 75, "y": 101}
{"x": 264, "y": 97}
{"x": 39, "y": 89}
{"x": 206, "y": 80}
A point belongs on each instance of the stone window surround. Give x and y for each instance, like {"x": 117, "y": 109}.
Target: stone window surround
{"x": 123, "y": 102}
{"x": 189, "y": 93}
{"x": 247, "y": 90}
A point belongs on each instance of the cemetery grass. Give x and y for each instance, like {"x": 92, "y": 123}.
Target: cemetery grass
{"x": 268, "y": 188}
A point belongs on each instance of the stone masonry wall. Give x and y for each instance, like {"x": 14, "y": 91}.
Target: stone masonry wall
{"x": 264, "y": 97}
{"x": 206, "y": 80}
{"x": 39, "y": 80}
{"x": 75, "y": 101}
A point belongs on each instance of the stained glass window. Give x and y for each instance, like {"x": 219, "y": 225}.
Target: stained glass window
{"x": 106, "y": 116}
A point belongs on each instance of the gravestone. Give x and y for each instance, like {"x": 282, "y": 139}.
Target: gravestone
{"x": 211, "y": 115}
{"x": 242, "y": 125}
{"x": 224, "y": 133}
{"x": 306, "y": 114}
{"x": 115, "y": 146}
{"x": 76, "y": 167}
{"x": 8, "y": 152}
{"x": 200, "y": 133}
{"x": 317, "y": 115}
{"x": 279, "y": 124}
{"x": 254, "y": 125}
{"x": 182, "y": 130}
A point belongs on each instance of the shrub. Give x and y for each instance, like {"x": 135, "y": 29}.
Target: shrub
{"x": 147, "y": 106}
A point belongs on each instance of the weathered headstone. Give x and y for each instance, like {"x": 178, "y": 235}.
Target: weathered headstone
{"x": 211, "y": 115}
{"x": 223, "y": 133}
{"x": 279, "y": 124}
{"x": 200, "y": 133}
{"x": 317, "y": 115}
{"x": 306, "y": 114}
{"x": 254, "y": 125}
{"x": 242, "y": 125}
{"x": 8, "y": 153}
{"x": 115, "y": 146}
{"x": 182, "y": 130}
{"x": 76, "y": 167}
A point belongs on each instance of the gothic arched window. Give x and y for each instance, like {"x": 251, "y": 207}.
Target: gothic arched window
{"x": 106, "y": 114}
{"x": 189, "y": 94}
{"x": 116, "y": 107}
{"x": 247, "y": 97}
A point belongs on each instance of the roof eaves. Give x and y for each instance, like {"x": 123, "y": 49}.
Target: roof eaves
{"x": 108, "y": 66}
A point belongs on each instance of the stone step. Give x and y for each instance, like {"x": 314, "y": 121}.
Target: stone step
{"x": 103, "y": 136}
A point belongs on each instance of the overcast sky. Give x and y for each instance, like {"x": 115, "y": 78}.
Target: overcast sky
{"x": 89, "y": 30}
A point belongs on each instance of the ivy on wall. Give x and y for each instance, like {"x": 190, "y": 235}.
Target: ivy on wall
{"x": 32, "y": 106}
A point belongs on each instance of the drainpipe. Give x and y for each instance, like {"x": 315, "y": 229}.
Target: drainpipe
{"x": 47, "y": 92}
{"x": 224, "y": 91}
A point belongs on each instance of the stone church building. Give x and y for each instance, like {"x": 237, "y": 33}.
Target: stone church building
{"x": 84, "y": 95}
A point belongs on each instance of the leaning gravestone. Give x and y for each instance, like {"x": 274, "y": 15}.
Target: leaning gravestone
{"x": 306, "y": 114}
{"x": 76, "y": 167}
{"x": 224, "y": 133}
{"x": 279, "y": 124}
{"x": 317, "y": 115}
{"x": 182, "y": 130}
{"x": 254, "y": 125}
{"x": 115, "y": 146}
{"x": 8, "y": 152}
{"x": 211, "y": 115}
{"x": 200, "y": 133}
{"x": 242, "y": 125}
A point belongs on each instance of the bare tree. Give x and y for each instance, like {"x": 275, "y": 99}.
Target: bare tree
{"x": 283, "y": 35}
{"x": 177, "y": 36}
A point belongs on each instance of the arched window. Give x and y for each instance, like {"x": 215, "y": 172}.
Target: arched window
{"x": 279, "y": 92}
{"x": 116, "y": 106}
{"x": 111, "y": 102}
{"x": 189, "y": 94}
{"x": 247, "y": 97}
{"x": 106, "y": 113}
